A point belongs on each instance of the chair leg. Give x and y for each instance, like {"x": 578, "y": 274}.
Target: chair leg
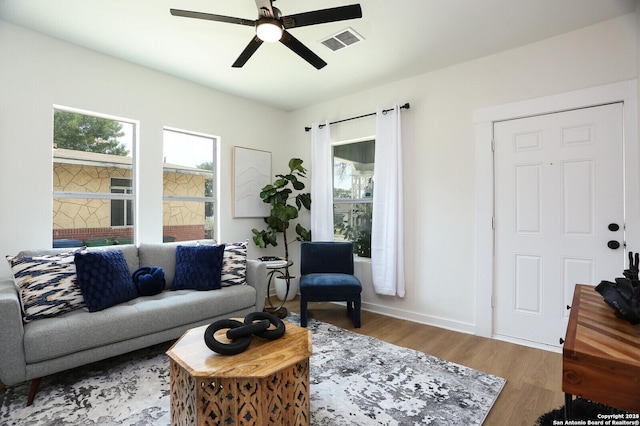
{"x": 35, "y": 384}
{"x": 303, "y": 311}
{"x": 350, "y": 308}
{"x": 356, "y": 314}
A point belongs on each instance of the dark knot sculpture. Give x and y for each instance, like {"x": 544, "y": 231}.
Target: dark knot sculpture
{"x": 623, "y": 295}
{"x": 149, "y": 280}
{"x": 240, "y": 334}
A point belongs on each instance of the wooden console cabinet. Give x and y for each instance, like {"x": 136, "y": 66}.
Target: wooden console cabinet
{"x": 601, "y": 354}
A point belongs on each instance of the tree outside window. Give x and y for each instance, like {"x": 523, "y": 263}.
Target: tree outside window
{"x": 86, "y": 133}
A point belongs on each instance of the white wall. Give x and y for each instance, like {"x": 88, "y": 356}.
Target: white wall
{"x": 439, "y": 154}
{"x": 38, "y": 72}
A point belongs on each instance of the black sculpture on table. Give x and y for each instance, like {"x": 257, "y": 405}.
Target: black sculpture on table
{"x": 240, "y": 334}
{"x": 624, "y": 295}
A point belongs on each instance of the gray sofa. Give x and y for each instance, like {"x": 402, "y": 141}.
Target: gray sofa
{"x": 31, "y": 350}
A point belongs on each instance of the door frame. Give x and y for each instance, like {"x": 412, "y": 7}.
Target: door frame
{"x": 483, "y": 119}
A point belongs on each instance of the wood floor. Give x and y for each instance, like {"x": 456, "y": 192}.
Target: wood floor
{"x": 534, "y": 376}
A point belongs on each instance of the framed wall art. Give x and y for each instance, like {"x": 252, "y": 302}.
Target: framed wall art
{"x": 251, "y": 172}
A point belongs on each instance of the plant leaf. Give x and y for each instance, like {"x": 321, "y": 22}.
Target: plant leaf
{"x": 295, "y": 164}
{"x": 304, "y": 199}
{"x": 304, "y": 234}
{"x": 258, "y": 238}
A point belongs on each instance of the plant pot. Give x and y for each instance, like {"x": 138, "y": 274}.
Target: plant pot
{"x": 281, "y": 287}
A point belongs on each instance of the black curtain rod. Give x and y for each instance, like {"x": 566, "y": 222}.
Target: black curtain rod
{"x": 384, "y": 111}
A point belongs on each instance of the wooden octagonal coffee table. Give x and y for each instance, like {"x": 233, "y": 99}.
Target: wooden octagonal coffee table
{"x": 268, "y": 384}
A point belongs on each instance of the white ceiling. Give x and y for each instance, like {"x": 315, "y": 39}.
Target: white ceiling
{"x": 402, "y": 38}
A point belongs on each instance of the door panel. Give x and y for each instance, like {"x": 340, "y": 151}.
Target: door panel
{"x": 558, "y": 185}
{"x": 528, "y": 284}
{"x": 578, "y": 198}
{"x": 575, "y": 270}
{"x": 528, "y": 192}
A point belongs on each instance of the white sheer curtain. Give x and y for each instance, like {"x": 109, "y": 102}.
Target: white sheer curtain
{"x": 387, "y": 249}
{"x": 321, "y": 183}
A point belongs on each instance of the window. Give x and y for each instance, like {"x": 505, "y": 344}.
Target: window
{"x": 121, "y": 210}
{"x": 92, "y": 179}
{"x": 353, "y": 191}
{"x": 189, "y": 188}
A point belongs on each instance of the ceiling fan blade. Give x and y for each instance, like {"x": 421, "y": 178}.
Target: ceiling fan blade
{"x": 247, "y": 52}
{"x": 265, "y": 8}
{"x": 212, "y": 17}
{"x": 303, "y": 51}
{"x": 323, "y": 16}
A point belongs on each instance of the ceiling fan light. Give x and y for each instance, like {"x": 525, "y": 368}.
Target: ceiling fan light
{"x": 269, "y": 30}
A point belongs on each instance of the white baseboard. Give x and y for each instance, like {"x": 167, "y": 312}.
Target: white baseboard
{"x": 528, "y": 343}
{"x": 458, "y": 326}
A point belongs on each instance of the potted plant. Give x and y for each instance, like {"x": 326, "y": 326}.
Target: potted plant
{"x": 286, "y": 199}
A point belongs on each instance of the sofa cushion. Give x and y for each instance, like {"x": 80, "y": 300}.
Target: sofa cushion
{"x": 79, "y": 330}
{"x": 338, "y": 285}
{"x": 234, "y": 264}
{"x": 104, "y": 279}
{"x": 47, "y": 284}
{"x": 198, "y": 267}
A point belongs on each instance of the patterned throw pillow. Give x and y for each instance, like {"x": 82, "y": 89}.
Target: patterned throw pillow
{"x": 234, "y": 264}
{"x": 47, "y": 285}
{"x": 198, "y": 267}
{"x": 104, "y": 279}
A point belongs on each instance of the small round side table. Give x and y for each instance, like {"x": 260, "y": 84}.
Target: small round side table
{"x": 280, "y": 311}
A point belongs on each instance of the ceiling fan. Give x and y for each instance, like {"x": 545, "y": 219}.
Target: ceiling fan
{"x": 271, "y": 26}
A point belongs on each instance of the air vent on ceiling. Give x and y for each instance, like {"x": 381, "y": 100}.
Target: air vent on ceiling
{"x": 344, "y": 38}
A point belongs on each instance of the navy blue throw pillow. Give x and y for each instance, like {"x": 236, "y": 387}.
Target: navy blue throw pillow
{"x": 104, "y": 279}
{"x": 198, "y": 267}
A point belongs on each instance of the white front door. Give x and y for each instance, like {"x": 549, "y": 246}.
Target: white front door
{"x": 559, "y": 212}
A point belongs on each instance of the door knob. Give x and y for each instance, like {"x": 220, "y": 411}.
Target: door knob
{"x": 613, "y": 245}
{"x": 613, "y": 227}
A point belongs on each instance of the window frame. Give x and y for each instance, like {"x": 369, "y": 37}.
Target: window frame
{"x": 126, "y": 203}
{"x": 352, "y": 201}
{"x": 214, "y": 197}
{"x": 126, "y": 197}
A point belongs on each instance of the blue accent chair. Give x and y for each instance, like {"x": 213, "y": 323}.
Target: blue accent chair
{"x": 326, "y": 275}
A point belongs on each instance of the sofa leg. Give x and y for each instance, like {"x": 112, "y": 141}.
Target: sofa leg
{"x": 35, "y": 384}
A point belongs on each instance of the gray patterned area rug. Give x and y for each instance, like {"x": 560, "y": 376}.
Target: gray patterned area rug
{"x": 355, "y": 380}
